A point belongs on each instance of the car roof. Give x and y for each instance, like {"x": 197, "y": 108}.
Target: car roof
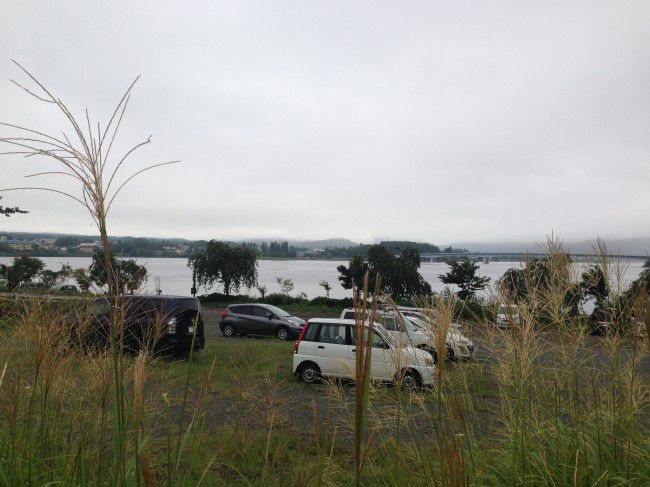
{"x": 261, "y": 305}
{"x": 368, "y": 311}
{"x": 334, "y": 321}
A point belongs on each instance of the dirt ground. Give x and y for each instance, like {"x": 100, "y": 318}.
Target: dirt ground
{"x": 295, "y": 405}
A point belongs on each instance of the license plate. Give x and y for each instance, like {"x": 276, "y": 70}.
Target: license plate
{"x": 190, "y": 329}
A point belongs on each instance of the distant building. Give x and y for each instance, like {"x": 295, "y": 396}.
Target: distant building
{"x": 21, "y": 245}
{"x": 88, "y": 247}
{"x": 306, "y": 254}
{"x": 3, "y": 238}
{"x": 48, "y": 243}
{"x": 178, "y": 249}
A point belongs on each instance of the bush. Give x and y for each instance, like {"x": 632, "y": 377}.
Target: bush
{"x": 475, "y": 311}
{"x": 319, "y": 303}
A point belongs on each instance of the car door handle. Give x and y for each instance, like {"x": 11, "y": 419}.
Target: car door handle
{"x": 321, "y": 346}
{"x": 354, "y": 350}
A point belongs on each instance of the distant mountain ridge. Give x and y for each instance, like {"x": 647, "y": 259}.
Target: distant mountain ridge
{"x": 637, "y": 246}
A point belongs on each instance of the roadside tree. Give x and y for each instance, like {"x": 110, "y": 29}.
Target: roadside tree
{"x": 462, "y": 273}
{"x": 53, "y": 278}
{"x": 132, "y": 275}
{"x": 353, "y": 273}
{"x": 8, "y": 211}
{"x": 126, "y": 274}
{"x": 594, "y": 284}
{"x": 21, "y": 271}
{"x": 262, "y": 291}
{"x": 406, "y": 280}
{"x": 326, "y": 285}
{"x": 512, "y": 284}
{"x": 82, "y": 279}
{"x": 219, "y": 263}
{"x": 286, "y": 285}
{"x": 398, "y": 276}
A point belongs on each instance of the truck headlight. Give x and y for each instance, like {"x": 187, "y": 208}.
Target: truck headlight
{"x": 171, "y": 326}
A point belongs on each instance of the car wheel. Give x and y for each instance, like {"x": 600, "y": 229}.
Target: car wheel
{"x": 450, "y": 354}
{"x": 228, "y": 330}
{"x": 282, "y": 333}
{"x": 411, "y": 380}
{"x": 310, "y": 373}
{"x": 431, "y": 351}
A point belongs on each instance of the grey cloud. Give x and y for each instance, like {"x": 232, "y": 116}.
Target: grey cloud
{"x": 431, "y": 121}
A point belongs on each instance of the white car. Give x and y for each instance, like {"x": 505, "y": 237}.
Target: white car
{"x": 327, "y": 348}
{"x": 459, "y": 347}
{"x": 507, "y": 316}
{"x": 413, "y": 331}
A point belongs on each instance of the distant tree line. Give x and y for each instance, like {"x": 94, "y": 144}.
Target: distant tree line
{"x": 123, "y": 246}
{"x": 276, "y": 249}
{"x": 153, "y": 247}
{"x": 393, "y": 246}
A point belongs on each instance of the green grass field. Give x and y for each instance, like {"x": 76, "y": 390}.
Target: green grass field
{"x": 533, "y": 408}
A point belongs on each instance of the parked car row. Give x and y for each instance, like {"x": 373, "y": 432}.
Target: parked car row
{"x": 404, "y": 343}
{"x": 414, "y": 328}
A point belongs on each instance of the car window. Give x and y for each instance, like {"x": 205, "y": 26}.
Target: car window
{"x": 407, "y": 322}
{"x": 377, "y": 340}
{"x": 330, "y": 333}
{"x": 259, "y": 311}
{"x": 389, "y": 323}
{"x": 349, "y": 315}
{"x": 280, "y": 313}
{"x": 242, "y": 310}
{"x": 420, "y": 324}
{"x": 311, "y": 332}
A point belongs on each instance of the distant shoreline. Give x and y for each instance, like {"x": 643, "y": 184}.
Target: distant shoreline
{"x": 476, "y": 256}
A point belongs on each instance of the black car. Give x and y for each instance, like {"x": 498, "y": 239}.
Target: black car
{"x": 159, "y": 323}
{"x": 259, "y": 319}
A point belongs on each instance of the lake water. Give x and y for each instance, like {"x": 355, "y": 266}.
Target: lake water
{"x": 176, "y": 277}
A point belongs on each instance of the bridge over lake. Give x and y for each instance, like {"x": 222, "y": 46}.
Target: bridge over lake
{"x": 516, "y": 256}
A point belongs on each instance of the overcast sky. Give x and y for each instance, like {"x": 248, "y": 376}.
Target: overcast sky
{"x": 430, "y": 121}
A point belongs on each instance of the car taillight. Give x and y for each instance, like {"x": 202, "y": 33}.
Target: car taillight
{"x": 302, "y": 334}
{"x": 224, "y": 314}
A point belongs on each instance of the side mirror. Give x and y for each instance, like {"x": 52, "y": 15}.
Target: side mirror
{"x": 269, "y": 315}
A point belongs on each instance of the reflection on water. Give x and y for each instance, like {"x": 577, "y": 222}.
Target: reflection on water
{"x": 176, "y": 277}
